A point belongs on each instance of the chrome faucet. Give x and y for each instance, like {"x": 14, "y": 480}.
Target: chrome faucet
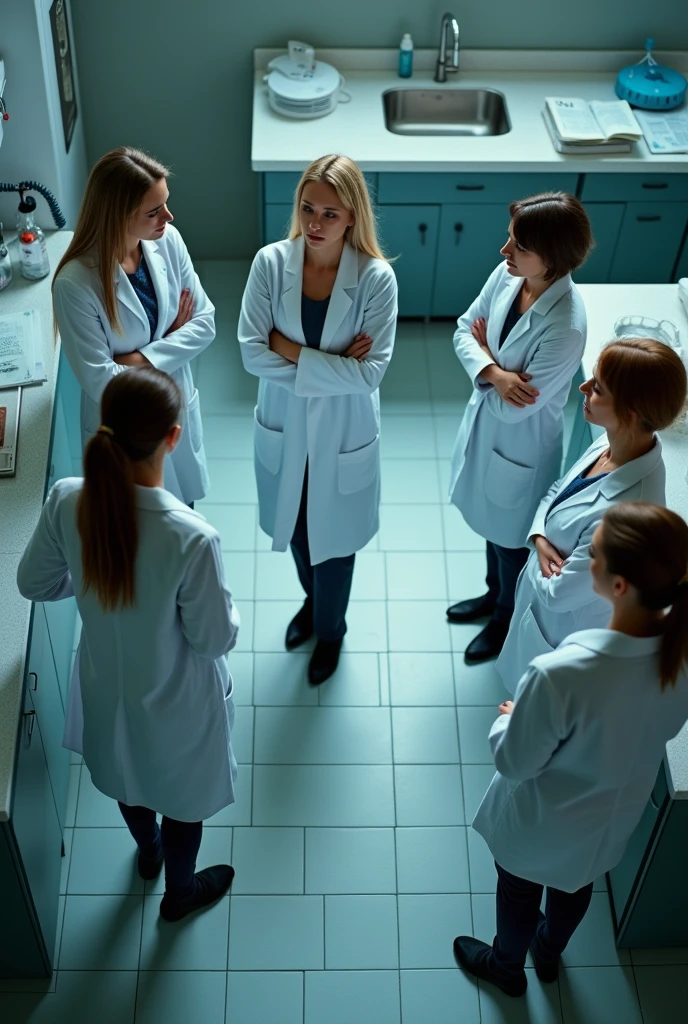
{"x": 442, "y": 68}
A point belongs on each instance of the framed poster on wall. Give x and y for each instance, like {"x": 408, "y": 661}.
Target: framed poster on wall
{"x": 63, "y": 65}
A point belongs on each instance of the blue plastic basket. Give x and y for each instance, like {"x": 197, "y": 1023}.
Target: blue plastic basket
{"x": 649, "y": 85}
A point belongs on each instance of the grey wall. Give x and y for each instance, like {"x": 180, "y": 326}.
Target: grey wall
{"x": 175, "y": 76}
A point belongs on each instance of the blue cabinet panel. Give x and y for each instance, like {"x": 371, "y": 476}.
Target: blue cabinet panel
{"x": 467, "y": 253}
{"x": 280, "y": 186}
{"x": 276, "y": 222}
{"x": 649, "y": 242}
{"x": 622, "y": 879}
{"x": 409, "y": 235}
{"x": 644, "y": 188}
{"x": 412, "y": 187}
{"x": 682, "y": 264}
{"x": 605, "y": 219}
{"x": 36, "y": 830}
{"x": 42, "y": 685}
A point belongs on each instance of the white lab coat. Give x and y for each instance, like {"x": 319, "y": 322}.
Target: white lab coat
{"x": 548, "y": 610}
{"x": 156, "y": 690}
{"x": 577, "y": 758}
{"x": 504, "y": 458}
{"x": 90, "y": 344}
{"x": 325, "y": 408}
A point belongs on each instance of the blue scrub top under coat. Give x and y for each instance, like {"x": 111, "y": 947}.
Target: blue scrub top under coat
{"x": 313, "y": 314}
{"x": 142, "y": 283}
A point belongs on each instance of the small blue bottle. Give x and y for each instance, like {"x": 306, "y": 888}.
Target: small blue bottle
{"x": 406, "y": 56}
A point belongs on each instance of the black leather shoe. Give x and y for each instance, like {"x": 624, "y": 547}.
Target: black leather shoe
{"x": 324, "y": 661}
{"x": 150, "y": 867}
{"x": 300, "y": 628}
{"x": 211, "y": 885}
{"x": 469, "y": 611}
{"x": 476, "y": 958}
{"x": 546, "y": 970}
{"x": 488, "y": 643}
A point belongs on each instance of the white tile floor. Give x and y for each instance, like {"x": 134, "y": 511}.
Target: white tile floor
{"x": 355, "y": 866}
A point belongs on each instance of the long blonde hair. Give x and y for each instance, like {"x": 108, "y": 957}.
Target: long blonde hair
{"x": 114, "y": 192}
{"x": 346, "y": 179}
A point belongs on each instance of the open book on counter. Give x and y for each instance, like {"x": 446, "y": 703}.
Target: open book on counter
{"x": 579, "y": 126}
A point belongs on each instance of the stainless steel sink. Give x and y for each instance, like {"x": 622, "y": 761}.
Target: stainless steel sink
{"x": 454, "y": 111}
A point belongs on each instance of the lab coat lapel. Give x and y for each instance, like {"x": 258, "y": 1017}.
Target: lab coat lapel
{"x": 158, "y": 272}
{"x": 292, "y": 289}
{"x": 539, "y": 308}
{"x": 589, "y": 493}
{"x": 503, "y": 303}
{"x": 340, "y": 300}
{"x": 125, "y": 293}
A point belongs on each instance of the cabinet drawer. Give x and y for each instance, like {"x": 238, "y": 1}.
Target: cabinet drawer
{"x": 468, "y": 188}
{"x": 281, "y": 185}
{"x": 619, "y": 188}
{"x": 649, "y": 243}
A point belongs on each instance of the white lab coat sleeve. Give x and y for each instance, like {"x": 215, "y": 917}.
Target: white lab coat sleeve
{"x": 473, "y": 358}
{"x": 255, "y": 324}
{"x": 43, "y": 573}
{"x": 523, "y": 742}
{"x": 552, "y": 366}
{"x": 181, "y": 346}
{"x": 570, "y": 590}
{"x": 321, "y": 374}
{"x": 83, "y": 338}
{"x": 538, "y": 527}
{"x": 209, "y": 618}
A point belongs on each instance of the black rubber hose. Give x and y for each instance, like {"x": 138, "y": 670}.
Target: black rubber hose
{"x": 35, "y": 186}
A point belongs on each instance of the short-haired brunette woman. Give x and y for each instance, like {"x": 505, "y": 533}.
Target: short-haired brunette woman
{"x": 577, "y": 752}
{"x": 125, "y": 294}
{"x": 317, "y": 326}
{"x": 151, "y": 705}
{"x": 638, "y": 387}
{"x": 521, "y": 343}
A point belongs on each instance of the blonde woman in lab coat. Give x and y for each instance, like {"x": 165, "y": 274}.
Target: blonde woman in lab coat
{"x": 521, "y": 343}
{"x": 638, "y": 387}
{"x": 577, "y": 753}
{"x": 150, "y": 705}
{"x": 317, "y": 328}
{"x": 125, "y": 294}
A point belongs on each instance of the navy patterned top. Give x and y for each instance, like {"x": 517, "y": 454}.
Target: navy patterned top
{"x": 512, "y": 318}
{"x": 576, "y": 485}
{"x": 313, "y": 313}
{"x": 142, "y": 284}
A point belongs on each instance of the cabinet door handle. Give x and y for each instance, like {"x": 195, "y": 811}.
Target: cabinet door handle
{"x": 458, "y": 228}
{"x": 423, "y": 229}
{"x": 646, "y": 220}
{"x": 31, "y": 715}
{"x": 470, "y": 188}
{"x": 655, "y": 184}
{"x": 35, "y": 680}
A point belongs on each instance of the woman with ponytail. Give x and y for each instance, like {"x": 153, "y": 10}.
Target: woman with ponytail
{"x": 577, "y": 752}
{"x": 151, "y": 705}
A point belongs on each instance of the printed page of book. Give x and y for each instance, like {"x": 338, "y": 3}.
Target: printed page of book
{"x": 616, "y": 119}
{"x": 574, "y": 120}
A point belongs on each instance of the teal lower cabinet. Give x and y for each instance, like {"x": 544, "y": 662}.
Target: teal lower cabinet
{"x": 276, "y": 222}
{"x": 605, "y": 220}
{"x": 682, "y": 262}
{"x": 649, "y": 242}
{"x": 649, "y": 899}
{"x": 467, "y": 253}
{"x": 30, "y": 860}
{"x": 409, "y": 237}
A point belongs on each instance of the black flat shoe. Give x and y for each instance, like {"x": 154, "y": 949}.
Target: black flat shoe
{"x": 487, "y": 644}
{"x": 211, "y": 885}
{"x": 300, "y": 628}
{"x": 150, "y": 867}
{"x": 475, "y": 958}
{"x": 469, "y": 611}
{"x": 324, "y": 661}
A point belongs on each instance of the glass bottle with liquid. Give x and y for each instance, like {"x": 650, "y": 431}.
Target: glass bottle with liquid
{"x": 5, "y": 264}
{"x": 33, "y": 254}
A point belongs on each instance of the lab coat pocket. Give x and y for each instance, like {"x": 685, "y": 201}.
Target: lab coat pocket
{"x": 507, "y": 484}
{"x": 193, "y": 417}
{"x": 358, "y": 469}
{"x": 268, "y": 444}
{"x": 532, "y": 641}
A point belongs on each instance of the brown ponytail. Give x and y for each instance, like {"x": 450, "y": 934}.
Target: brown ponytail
{"x": 138, "y": 409}
{"x": 648, "y": 546}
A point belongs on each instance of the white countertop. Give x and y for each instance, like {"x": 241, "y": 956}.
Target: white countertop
{"x": 21, "y": 500}
{"x": 606, "y": 303}
{"x": 358, "y": 128}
